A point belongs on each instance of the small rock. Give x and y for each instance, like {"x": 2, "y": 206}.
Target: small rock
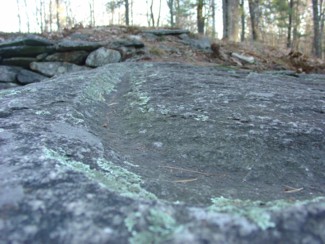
{"x": 8, "y": 74}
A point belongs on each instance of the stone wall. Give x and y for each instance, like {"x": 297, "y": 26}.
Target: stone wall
{"x": 32, "y": 58}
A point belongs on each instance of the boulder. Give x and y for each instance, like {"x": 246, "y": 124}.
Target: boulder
{"x": 199, "y": 43}
{"x": 55, "y": 68}
{"x": 103, "y": 56}
{"x": 163, "y": 153}
{"x": 75, "y": 57}
{"x": 8, "y": 74}
{"x": 25, "y": 77}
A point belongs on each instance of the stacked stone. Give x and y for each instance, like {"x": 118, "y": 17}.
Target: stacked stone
{"x": 33, "y": 58}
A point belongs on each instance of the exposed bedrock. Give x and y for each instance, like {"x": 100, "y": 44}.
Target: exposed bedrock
{"x": 163, "y": 153}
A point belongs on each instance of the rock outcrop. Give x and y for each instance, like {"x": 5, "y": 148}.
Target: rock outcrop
{"x": 163, "y": 153}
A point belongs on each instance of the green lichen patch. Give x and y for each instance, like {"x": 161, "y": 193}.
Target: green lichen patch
{"x": 139, "y": 100}
{"x": 158, "y": 226}
{"x": 138, "y": 97}
{"x": 257, "y": 211}
{"x": 107, "y": 175}
{"x": 100, "y": 86}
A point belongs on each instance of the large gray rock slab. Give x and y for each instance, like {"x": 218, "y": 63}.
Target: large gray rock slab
{"x": 55, "y": 68}
{"x": 129, "y": 42}
{"x": 28, "y": 40}
{"x": 25, "y": 51}
{"x": 75, "y": 57}
{"x": 165, "y": 32}
{"x": 163, "y": 153}
{"x": 23, "y": 62}
{"x": 70, "y": 45}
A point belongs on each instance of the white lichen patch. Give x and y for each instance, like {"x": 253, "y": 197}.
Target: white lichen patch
{"x": 107, "y": 174}
{"x": 42, "y": 112}
{"x": 73, "y": 118}
{"x": 9, "y": 92}
{"x": 201, "y": 117}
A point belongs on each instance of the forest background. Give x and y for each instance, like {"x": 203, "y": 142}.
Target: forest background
{"x": 294, "y": 24}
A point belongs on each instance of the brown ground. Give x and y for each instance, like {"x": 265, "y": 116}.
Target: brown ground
{"x": 266, "y": 57}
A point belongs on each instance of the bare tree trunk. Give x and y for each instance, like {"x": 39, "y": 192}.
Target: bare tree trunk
{"x": 170, "y": 4}
{"x": 152, "y": 17}
{"x": 225, "y": 19}
{"x": 289, "y": 36}
{"x": 69, "y": 14}
{"x": 51, "y": 16}
{"x": 39, "y": 15}
{"x": 19, "y": 16}
{"x": 127, "y": 13}
{"x": 178, "y": 13}
{"x": 159, "y": 13}
{"x": 131, "y": 11}
{"x": 230, "y": 10}
{"x": 296, "y": 22}
{"x": 213, "y": 8}
{"x": 200, "y": 17}
{"x": 317, "y": 47}
{"x": 243, "y": 27}
{"x": 254, "y": 14}
{"x": 58, "y": 14}
{"x": 92, "y": 13}
{"x": 27, "y": 16}
{"x": 322, "y": 22}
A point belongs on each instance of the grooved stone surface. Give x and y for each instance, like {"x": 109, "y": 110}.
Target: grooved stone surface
{"x": 163, "y": 153}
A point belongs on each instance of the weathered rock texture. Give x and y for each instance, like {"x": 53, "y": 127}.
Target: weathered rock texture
{"x": 159, "y": 153}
